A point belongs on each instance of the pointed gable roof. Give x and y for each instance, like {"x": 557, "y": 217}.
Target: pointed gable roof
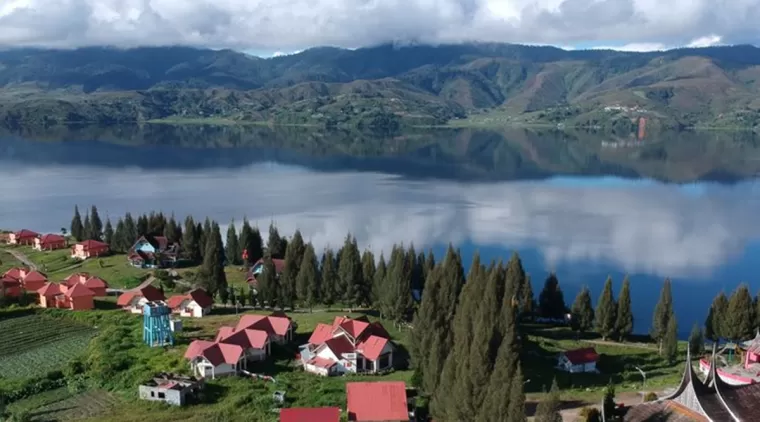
{"x": 220, "y": 353}
{"x": 314, "y": 414}
{"x": 95, "y": 283}
{"x": 377, "y": 401}
{"x": 149, "y": 292}
{"x": 271, "y": 324}
{"x": 372, "y": 347}
{"x": 322, "y": 333}
{"x": 51, "y": 238}
{"x": 174, "y": 302}
{"x": 247, "y": 339}
{"x": 35, "y": 276}
{"x": 26, "y": 233}
{"x": 201, "y": 297}
{"x": 49, "y": 290}
{"x": 339, "y": 345}
{"x": 78, "y": 290}
{"x": 9, "y": 282}
{"x": 224, "y": 332}
{"x": 16, "y": 273}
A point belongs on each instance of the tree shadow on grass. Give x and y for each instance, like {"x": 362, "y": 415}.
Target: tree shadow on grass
{"x": 532, "y": 406}
{"x": 105, "y": 305}
{"x": 211, "y": 393}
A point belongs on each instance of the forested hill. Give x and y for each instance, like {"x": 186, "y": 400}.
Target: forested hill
{"x": 380, "y": 85}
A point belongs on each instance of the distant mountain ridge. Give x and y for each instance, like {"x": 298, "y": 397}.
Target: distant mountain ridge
{"x": 426, "y": 84}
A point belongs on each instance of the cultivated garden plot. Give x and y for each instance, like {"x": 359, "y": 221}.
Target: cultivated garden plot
{"x": 33, "y": 345}
{"x": 81, "y": 406}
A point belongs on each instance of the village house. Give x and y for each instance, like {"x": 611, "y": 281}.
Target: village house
{"x": 49, "y": 242}
{"x": 278, "y": 325}
{"x": 197, "y": 303}
{"x": 578, "y": 360}
{"x": 22, "y": 237}
{"x": 310, "y": 414}
{"x": 10, "y": 287}
{"x": 77, "y": 297}
{"x": 153, "y": 252}
{"x": 258, "y": 268}
{"x": 377, "y": 401}
{"x": 348, "y": 346}
{"x": 134, "y": 300}
{"x": 211, "y": 359}
{"x": 89, "y": 249}
{"x": 30, "y": 281}
{"x": 171, "y": 388}
{"x": 96, "y": 284}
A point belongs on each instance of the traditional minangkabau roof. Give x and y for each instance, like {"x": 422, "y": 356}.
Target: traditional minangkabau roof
{"x": 708, "y": 400}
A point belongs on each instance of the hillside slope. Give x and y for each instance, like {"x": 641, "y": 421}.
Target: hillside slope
{"x": 385, "y": 85}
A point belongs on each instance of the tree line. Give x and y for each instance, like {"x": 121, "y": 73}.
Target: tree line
{"x": 735, "y": 318}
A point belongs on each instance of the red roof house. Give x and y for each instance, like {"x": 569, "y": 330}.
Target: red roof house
{"x": 350, "y": 345}
{"x": 33, "y": 281}
{"x": 133, "y": 300}
{"x": 258, "y": 267}
{"x": 196, "y": 303}
{"x": 279, "y": 328}
{"x": 48, "y": 294}
{"x": 89, "y": 249}
{"x": 211, "y": 359}
{"x": 16, "y": 273}
{"x": 377, "y": 401}
{"x": 49, "y": 242}
{"x": 10, "y": 287}
{"x": 22, "y": 237}
{"x": 79, "y": 298}
{"x": 96, "y": 284}
{"x": 313, "y": 414}
{"x": 578, "y": 360}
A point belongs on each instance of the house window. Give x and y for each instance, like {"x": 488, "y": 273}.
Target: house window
{"x": 153, "y": 394}
{"x": 161, "y": 395}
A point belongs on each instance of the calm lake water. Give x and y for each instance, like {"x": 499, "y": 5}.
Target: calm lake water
{"x": 584, "y": 217}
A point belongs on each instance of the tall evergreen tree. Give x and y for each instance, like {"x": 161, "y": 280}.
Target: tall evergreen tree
{"x": 213, "y": 260}
{"x": 516, "y": 278}
{"x": 608, "y": 402}
{"x": 190, "y": 242}
{"x": 96, "y": 224}
{"x": 427, "y": 268}
{"x": 251, "y": 243}
{"x": 715, "y": 323}
{"x": 378, "y": 283}
{"x": 548, "y": 408}
{"x": 142, "y": 226}
{"x": 267, "y": 284}
{"x": 201, "y": 236}
{"x": 293, "y": 257}
{"x": 624, "y": 321}
{"x": 172, "y": 230}
{"x": 368, "y": 276}
{"x": 350, "y": 273}
{"x": 87, "y": 230}
{"x": 77, "y": 227}
{"x": 118, "y": 242}
{"x": 663, "y": 312}
{"x": 527, "y": 301}
{"x": 232, "y": 248}
{"x": 696, "y": 341}
{"x": 274, "y": 243}
{"x": 740, "y": 318}
{"x": 399, "y": 287}
{"x": 329, "y": 272}
{"x": 108, "y": 232}
{"x": 130, "y": 231}
{"x": 497, "y": 406}
{"x": 605, "y": 311}
{"x": 582, "y": 312}
{"x": 551, "y": 301}
{"x": 670, "y": 341}
{"x": 307, "y": 282}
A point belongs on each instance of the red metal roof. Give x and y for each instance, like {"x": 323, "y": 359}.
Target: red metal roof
{"x": 35, "y": 276}
{"x": 197, "y": 347}
{"x": 215, "y": 353}
{"x": 322, "y": 362}
{"x": 322, "y": 333}
{"x": 175, "y": 301}
{"x": 51, "y": 238}
{"x": 149, "y": 292}
{"x": 9, "y": 282}
{"x": 15, "y": 273}
{"x": 377, "y": 401}
{"x": 201, "y": 297}
{"x": 582, "y": 356}
{"x": 95, "y": 283}
{"x": 223, "y": 332}
{"x": 24, "y": 233}
{"x": 92, "y": 244}
{"x": 339, "y": 345}
{"x": 49, "y": 290}
{"x": 247, "y": 339}
{"x": 79, "y": 290}
{"x": 313, "y": 414}
{"x": 372, "y": 347}
{"x": 270, "y": 324}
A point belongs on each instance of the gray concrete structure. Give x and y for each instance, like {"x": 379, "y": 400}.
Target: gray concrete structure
{"x": 170, "y": 388}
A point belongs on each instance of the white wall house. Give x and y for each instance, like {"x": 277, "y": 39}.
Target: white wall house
{"x": 195, "y": 304}
{"x": 210, "y": 359}
{"x": 191, "y": 308}
{"x": 579, "y": 360}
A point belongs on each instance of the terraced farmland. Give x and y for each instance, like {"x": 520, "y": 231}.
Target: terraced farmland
{"x": 33, "y": 345}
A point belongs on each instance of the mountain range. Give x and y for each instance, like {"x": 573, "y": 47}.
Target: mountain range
{"x": 386, "y": 86}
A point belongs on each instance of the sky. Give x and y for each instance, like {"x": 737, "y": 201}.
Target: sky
{"x": 269, "y": 27}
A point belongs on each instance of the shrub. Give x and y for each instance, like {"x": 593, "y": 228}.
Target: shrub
{"x": 650, "y": 396}
{"x": 590, "y": 414}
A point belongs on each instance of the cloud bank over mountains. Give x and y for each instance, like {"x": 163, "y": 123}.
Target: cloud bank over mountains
{"x": 662, "y": 230}
{"x": 291, "y": 25}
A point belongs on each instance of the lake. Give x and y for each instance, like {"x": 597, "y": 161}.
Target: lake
{"x": 583, "y": 205}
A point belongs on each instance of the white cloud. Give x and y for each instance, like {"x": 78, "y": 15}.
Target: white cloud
{"x": 290, "y": 25}
{"x": 646, "y": 228}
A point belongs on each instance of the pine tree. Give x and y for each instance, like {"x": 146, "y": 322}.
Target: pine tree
{"x": 293, "y": 257}
{"x": 624, "y": 321}
{"x": 715, "y": 325}
{"x": 108, "y": 232}
{"x": 548, "y": 408}
{"x": 551, "y": 301}
{"x": 608, "y": 402}
{"x": 740, "y": 318}
{"x": 582, "y": 312}
{"x": 267, "y": 283}
{"x": 77, "y": 228}
{"x": 96, "y": 225}
{"x": 172, "y": 232}
{"x": 130, "y": 231}
{"x": 213, "y": 260}
{"x": 329, "y": 278}
{"x": 307, "y": 283}
{"x": 506, "y": 372}
{"x": 670, "y": 341}
{"x": 190, "y": 242}
{"x": 696, "y": 341}
{"x": 87, "y": 227}
{"x": 368, "y": 275}
{"x": 274, "y": 243}
{"x": 142, "y": 226}
{"x": 252, "y": 243}
{"x": 224, "y": 296}
{"x": 527, "y": 300}
{"x": 663, "y": 312}
{"x": 242, "y": 297}
{"x": 516, "y": 411}
{"x": 233, "y": 247}
{"x": 398, "y": 295}
{"x": 350, "y": 274}
{"x": 118, "y": 242}
{"x": 517, "y": 280}
{"x": 378, "y": 283}
{"x": 605, "y": 311}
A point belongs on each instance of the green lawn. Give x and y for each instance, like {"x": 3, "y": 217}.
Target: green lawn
{"x": 7, "y": 261}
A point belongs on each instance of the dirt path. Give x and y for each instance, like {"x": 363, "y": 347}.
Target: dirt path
{"x": 23, "y": 258}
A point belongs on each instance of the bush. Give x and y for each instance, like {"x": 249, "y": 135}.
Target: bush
{"x": 650, "y": 396}
{"x": 590, "y": 414}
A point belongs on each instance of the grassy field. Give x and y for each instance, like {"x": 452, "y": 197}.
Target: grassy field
{"x": 62, "y": 405}
{"x": 7, "y": 261}
{"x": 33, "y": 345}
